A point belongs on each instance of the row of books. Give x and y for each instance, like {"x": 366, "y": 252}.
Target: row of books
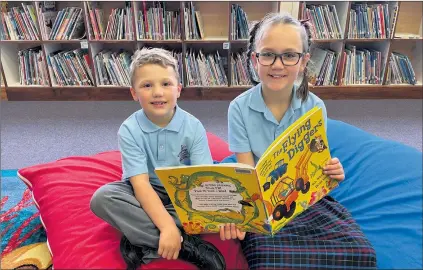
{"x": 205, "y": 69}
{"x": 325, "y": 21}
{"x": 119, "y": 24}
{"x": 202, "y": 69}
{"x": 66, "y": 24}
{"x": 19, "y": 23}
{"x": 353, "y": 66}
{"x": 369, "y": 21}
{"x": 239, "y": 21}
{"x": 400, "y": 70}
{"x": 32, "y": 67}
{"x": 157, "y": 23}
{"x": 193, "y": 22}
{"x": 322, "y": 67}
{"x": 112, "y": 68}
{"x": 69, "y": 68}
{"x": 366, "y": 20}
{"x": 361, "y": 66}
{"x": 239, "y": 65}
{"x": 178, "y": 56}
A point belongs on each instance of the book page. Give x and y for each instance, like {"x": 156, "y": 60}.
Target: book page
{"x": 209, "y": 196}
{"x": 280, "y": 138}
{"x": 291, "y": 174}
{"x": 211, "y": 166}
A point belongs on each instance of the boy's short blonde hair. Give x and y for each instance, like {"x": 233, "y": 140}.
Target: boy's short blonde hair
{"x": 152, "y": 56}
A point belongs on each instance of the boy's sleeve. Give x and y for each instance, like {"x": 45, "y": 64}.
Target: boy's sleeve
{"x": 200, "y": 151}
{"x": 237, "y": 133}
{"x": 134, "y": 159}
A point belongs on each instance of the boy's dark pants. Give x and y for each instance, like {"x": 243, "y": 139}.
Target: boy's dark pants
{"x": 116, "y": 204}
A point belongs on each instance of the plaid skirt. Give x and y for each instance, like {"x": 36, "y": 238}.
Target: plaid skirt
{"x": 325, "y": 236}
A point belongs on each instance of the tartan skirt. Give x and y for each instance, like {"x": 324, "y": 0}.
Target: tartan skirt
{"x": 325, "y": 236}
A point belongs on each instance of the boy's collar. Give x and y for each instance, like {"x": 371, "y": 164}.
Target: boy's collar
{"x": 257, "y": 102}
{"x": 174, "y": 124}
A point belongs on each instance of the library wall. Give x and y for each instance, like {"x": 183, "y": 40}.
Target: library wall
{"x": 79, "y": 50}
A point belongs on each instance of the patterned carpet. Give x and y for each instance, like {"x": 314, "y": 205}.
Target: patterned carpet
{"x": 23, "y": 244}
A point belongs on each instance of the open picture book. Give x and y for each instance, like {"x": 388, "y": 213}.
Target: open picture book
{"x": 286, "y": 180}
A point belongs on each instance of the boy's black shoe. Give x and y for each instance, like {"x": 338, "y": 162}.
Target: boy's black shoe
{"x": 131, "y": 254}
{"x": 201, "y": 253}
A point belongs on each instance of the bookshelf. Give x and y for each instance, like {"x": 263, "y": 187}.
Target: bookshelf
{"x": 3, "y": 95}
{"x": 217, "y": 28}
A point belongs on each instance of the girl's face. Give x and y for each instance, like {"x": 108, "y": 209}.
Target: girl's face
{"x": 278, "y": 39}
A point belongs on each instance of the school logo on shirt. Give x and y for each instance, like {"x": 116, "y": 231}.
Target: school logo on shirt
{"x": 184, "y": 155}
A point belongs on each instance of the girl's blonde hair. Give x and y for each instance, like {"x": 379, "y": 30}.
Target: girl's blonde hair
{"x": 257, "y": 33}
{"x": 152, "y": 56}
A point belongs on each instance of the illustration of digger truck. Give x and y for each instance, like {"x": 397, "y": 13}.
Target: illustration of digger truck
{"x": 276, "y": 174}
{"x": 286, "y": 192}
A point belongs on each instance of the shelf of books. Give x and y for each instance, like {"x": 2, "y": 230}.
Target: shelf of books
{"x": 77, "y": 50}
{"x": 365, "y": 49}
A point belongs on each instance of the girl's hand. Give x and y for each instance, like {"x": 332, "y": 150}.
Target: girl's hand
{"x": 230, "y": 231}
{"x": 334, "y": 169}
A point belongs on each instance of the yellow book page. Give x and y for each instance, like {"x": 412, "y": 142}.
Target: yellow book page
{"x": 291, "y": 174}
{"x": 208, "y": 196}
{"x": 286, "y": 131}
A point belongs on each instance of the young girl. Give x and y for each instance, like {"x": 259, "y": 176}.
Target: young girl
{"x": 325, "y": 235}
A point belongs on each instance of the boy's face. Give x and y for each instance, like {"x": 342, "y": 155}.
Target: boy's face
{"x": 280, "y": 39}
{"x": 156, "y": 89}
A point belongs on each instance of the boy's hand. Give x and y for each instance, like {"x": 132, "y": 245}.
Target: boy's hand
{"x": 334, "y": 169}
{"x": 170, "y": 242}
{"x": 230, "y": 231}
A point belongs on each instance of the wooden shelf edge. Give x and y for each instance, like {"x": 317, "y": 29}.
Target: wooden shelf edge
{"x": 69, "y": 93}
{"x": 205, "y": 41}
{"x": 160, "y": 41}
{"x": 21, "y": 41}
{"x": 211, "y": 93}
{"x": 327, "y": 40}
{"x": 369, "y": 92}
{"x": 3, "y": 94}
{"x": 367, "y": 39}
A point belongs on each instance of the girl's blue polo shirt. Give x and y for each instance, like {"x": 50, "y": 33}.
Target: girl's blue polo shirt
{"x": 252, "y": 126}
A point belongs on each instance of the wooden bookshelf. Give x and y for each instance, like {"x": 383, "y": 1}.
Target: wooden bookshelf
{"x": 216, "y": 22}
{"x": 3, "y": 94}
{"x": 405, "y": 38}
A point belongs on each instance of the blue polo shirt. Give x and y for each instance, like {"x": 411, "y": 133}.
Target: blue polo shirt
{"x": 145, "y": 146}
{"x": 252, "y": 126}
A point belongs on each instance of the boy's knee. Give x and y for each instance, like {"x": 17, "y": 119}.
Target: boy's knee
{"x": 101, "y": 199}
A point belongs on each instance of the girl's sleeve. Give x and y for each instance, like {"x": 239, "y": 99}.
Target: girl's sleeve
{"x": 237, "y": 132}
{"x": 325, "y": 114}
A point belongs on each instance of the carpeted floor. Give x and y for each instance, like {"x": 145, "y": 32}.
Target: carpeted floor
{"x": 23, "y": 236}
{"x": 38, "y": 132}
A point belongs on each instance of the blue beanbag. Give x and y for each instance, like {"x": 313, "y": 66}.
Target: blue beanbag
{"x": 382, "y": 190}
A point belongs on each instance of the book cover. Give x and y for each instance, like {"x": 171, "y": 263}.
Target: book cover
{"x": 286, "y": 180}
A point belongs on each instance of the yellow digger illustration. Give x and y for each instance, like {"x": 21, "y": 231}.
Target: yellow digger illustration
{"x": 287, "y": 189}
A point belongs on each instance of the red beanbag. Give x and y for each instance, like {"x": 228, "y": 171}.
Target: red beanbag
{"x": 77, "y": 238}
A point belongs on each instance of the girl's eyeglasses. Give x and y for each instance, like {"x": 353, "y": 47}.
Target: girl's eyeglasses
{"x": 287, "y": 58}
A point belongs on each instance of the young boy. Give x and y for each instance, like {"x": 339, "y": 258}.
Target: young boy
{"x": 160, "y": 134}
